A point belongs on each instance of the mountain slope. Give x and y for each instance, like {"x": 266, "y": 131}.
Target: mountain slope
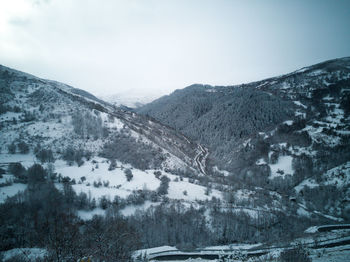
{"x": 278, "y": 133}
{"x": 53, "y": 114}
{"x": 258, "y": 162}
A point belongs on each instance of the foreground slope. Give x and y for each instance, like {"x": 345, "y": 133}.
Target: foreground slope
{"x": 56, "y": 115}
{"x": 90, "y": 142}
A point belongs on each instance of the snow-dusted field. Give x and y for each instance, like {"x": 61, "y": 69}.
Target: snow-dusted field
{"x": 30, "y": 254}
{"x": 282, "y": 167}
{"x": 112, "y": 182}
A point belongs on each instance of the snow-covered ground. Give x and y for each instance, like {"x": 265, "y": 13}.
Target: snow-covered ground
{"x": 232, "y": 247}
{"x": 311, "y": 183}
{"x": 112, "y": 182}
{"x": 88, "y": 214}
{"x": 29, "y": 254}
{"x": 150, "y": 251}
{"x": 132, "y": 209}
{"x": 298, "y": 103}
{"x": 339, "y": 176}
{"x": 282, "y": 167}
{"x": 9, "y": 191}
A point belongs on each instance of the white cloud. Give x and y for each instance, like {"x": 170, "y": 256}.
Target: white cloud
{"x": 155, "y": 46}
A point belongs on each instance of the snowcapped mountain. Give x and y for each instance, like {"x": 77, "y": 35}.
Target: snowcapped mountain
{"x": 129, "y": 99}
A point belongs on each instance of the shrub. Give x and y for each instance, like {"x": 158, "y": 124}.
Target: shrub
{"x": 11, "y": 148}
{"x": 45, "y": 155}
{"x": 2, "y": 171}
{"x": 136, "y": 198}
{"x": 75, "y": 155}
{"x": 164, "y": 185}
{"x": 297, "y": 254}
{"x": 128, "y": 174}
{"x": 157, "y": 174}
{"x": 36, "y": 174}
{"x": 23, "y": 147}
{"x": 97, "y": 183}
{"x": 66, "y": 179}
{"x": 104, "y": 202}
{"x": 8, "y": 182}
{"x": 17, "y": 170}
{"x": 112, "y": 165}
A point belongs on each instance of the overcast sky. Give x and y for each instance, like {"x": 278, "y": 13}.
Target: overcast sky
{"x": 151, "y": 47}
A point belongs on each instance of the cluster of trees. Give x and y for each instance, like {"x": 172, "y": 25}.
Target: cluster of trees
{"x": 325, "y": 198}
{"x": 45, "y": 217}
{"x": 34, "y": 174}
{"x": 7, "y": 108}
{"x": 88, "y": 125}
{"x": 22, "y": 147}
{"x": 164, "y": 185}
{"x": 127, "y": 149}
{"x": 171, "y": 223}
{"x": 72, "y": 155}
{"x": 128, "y": 174}
{"x": 44, "y": 155}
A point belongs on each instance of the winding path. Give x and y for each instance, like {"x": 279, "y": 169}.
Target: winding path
{"x": 201, "y": 158}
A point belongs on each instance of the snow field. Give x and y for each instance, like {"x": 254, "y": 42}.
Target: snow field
{"x": 284, "y": 164}
{"x": 114, "y": 182}
{"x": 29, "y": 253}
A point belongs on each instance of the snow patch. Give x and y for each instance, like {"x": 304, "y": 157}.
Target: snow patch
{"x": 32, "y": 254}
{"x": 10, "y": 191}
{"x": 282, "y": 167}
{"x": 298, "y": 103}
{"x": 288, "y": 122}
{"x": 89, "y": 214}
{"x": 153, "y": 250}
{"x": 132, "y": 209}
{"x": 311, "y": 183}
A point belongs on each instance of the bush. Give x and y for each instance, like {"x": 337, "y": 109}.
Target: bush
{"x": 71, "y": 155}
{"x": 104, "y": 202}
{"x": 8, "y": 182}
{"x": 2, "y": 171}
{"x": 11, "y": 148}
{"x": 157, "y": 174}
{"x": 36, "y": 174}
{"x": 17, "y": 170}
{"x": 128, "y": 174}
{"x": 136, "y": 198}
{"x": 45, "y": 155}
{"x": 164, "y": 185}
{"x": 112, "y": 165}
{"x": 297, "y": 254}
{"x": 97, "y": 184}
{"x": 23, "y": 147}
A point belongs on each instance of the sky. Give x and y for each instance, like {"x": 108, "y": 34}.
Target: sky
{"x": 149, "y": 48}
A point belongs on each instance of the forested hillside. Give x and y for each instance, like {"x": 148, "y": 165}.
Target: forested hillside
{"x": 255, "y": 164}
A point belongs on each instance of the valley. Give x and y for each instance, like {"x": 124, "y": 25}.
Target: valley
{"x": 248, "y": 169}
